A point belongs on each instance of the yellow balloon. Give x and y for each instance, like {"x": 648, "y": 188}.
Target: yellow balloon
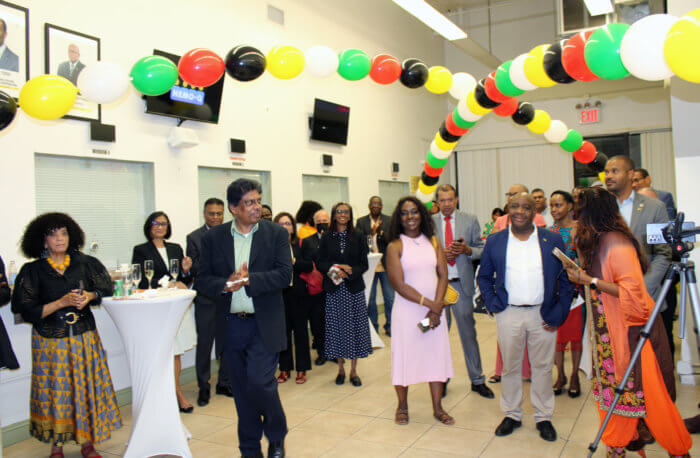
{"x": 534, "y": 68}
{"x": 47, "y": 97}
{"x": 601, "y": 176}
{"x": 442, "y": 144}
{"x": 439, "y": 80}
{"x": 474, "y": 106}
{"x": 682, "y": 47}
{"x": 540, "y": 123}
{"x": 285, "y": 62}
{"x": 427, "y": 190}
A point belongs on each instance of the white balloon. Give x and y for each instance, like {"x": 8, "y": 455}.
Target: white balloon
{"x": 425, "y": 198}
{"x": 557, "y": 132}
{"x": 462, "y": 84}
{"x": 642, "y": 47}
{"x": 437, "y": 152}
{"x": 103, "y": 82}
{"x": 465, "y": 113}
{"x": 517, "y": 74}
{"x": 321, "y": 61}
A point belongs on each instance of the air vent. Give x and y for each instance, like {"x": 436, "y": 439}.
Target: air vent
{"x": 276, "y": 15}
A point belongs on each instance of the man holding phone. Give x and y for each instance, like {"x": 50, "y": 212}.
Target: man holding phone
{"x": 460, "y": 235}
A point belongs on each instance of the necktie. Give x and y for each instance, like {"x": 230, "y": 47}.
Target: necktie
{"x": 449, "y": 238}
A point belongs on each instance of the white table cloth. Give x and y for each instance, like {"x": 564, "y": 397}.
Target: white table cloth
{"x": 372, "y": 260}
{"x": 148, "y": 328}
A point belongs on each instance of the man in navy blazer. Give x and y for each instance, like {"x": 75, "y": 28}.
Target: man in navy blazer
{"x": 527, "y": 289}
{"x": 246, "y": 264}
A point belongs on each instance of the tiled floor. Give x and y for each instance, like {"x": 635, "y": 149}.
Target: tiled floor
{"x": 344, "y": 421}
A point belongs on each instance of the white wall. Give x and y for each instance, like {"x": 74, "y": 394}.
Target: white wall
{"x": 387, "y": 124}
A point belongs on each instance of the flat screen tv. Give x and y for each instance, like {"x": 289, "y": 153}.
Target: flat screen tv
{"x": 185, "y": 102}
{"x": 330, "y": 122}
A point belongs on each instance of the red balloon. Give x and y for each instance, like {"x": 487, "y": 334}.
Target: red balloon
{"x": 432, "y": 171}
{"x": 492, "y": 91}
{"x": 572, "y": 57}
{"x": 507, "y": 108}
{"x": 385, "y": 69}
{"x": 201, "y": 67}
{"x": 453, "y": 128}
{"x": 586, "y": 153}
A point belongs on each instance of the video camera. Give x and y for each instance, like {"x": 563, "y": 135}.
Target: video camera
{"x": 679, "y": 235}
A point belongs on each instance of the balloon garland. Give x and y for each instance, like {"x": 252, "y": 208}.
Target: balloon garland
{"x": 653, "y": 48}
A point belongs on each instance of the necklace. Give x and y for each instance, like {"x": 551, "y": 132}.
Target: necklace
{"x": 63, "y": 266}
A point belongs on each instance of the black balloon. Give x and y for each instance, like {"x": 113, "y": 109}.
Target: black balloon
{"x": 448, "y": 137}
{"x": 552, "y": 63}
{"x": 481, "y": 97}
{"x": 428, "y": 180}
{"x": 245, "y": 63}
{"x": 524, "y": 114}
{"x": 414, "y": 73}
{"x": 8, "y": 110}
{"x": 598, "y": 164}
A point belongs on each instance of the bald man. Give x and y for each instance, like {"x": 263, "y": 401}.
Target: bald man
{"x": 648, "y": 192}
{"x": 503, "y": 221}
{"x": 527, "y": 289}
{"x": 71, "y": 68}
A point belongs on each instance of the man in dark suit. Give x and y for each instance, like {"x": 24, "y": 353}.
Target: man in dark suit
{"x": 527, "y": 289}
{"x": 641, "y": 180}
{"x": 246, "y": 264}
{"x": 374, "y": 225}
{"x": 8, "y": 59}
{"x": 71, "y": 68}
{"x": 205, "y": 310}
{"x": 309, "y": 252}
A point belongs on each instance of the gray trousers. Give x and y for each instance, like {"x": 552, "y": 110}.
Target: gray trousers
{"x": 463, "y": 312}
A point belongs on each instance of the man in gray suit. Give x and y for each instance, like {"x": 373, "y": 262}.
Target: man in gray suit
{"x": 71, "y": 68}
{"x": 8, "y": 59}
{"x": 460, "y": 235}
{"x": 205, "y": 310}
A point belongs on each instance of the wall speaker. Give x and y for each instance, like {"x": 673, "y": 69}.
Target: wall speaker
{"x": 237, "y": 146}
{"x": 327, "y": 160}
{"x": 102, "y": 132}
{"x": 395, "y": 167}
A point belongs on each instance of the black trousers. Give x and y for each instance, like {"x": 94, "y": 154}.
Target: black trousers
{"x": 252, "y": 372}
{"x": 205, "y": 321}
{"x": 318, "y": 321}
{"x": 297, "y": 314}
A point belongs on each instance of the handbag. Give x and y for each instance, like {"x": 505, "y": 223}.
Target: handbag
{"x": 313, "y": 279}
{"x": 451, "y": 294}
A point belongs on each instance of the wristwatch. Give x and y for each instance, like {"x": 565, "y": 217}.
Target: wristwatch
{"x": 594, "y": 283}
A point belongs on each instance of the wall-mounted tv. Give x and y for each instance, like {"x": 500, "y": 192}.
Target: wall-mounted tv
{"x": 185, "y": 102}
{"x": 330, "y": 122}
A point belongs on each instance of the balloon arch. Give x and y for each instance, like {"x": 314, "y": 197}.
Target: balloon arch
{"x": 653, "y": 48}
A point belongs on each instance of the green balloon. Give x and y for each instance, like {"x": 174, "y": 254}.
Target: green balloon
{"x": 428, "y": 204}
{"x": 572, "y": 142}
{"x": 153, "y": 75}
{"x": 354, "y": 64}
{"x": 435, "y": 162}
{"x": 503, "y": 82}
{"x": 461, "y": 122}
{"x": 602, "y": 52}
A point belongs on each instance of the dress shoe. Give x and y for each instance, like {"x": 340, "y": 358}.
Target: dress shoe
{"x": 507, "y": 426}
{"x": 320, "y": 361}
{"x": 340, "y": 379}
{"x": 276, "y": 449}
{"x": 483, "y": 390}
{"x": 204, "y": 396}
{"x": 546, "y": 430}
{"x": 355, "y": 380}
{"x": 186, "y": 409}
{"x": 225, "y": 390}
{"x": 387, "y": 331}
{"x": 257, "y": 455}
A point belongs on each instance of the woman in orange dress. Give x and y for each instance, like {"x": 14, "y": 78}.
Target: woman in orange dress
{"x": 613, "y": 265}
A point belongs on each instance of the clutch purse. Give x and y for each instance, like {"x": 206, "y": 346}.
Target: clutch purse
{"x": 451, "y": 294}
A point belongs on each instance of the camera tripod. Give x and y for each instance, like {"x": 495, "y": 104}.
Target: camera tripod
{"x": 685, "y": 269}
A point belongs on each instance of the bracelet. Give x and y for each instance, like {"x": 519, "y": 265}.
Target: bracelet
{"x": 422, "y": 298}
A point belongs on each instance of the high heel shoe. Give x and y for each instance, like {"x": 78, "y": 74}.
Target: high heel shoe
{"x": 560, "y": 390}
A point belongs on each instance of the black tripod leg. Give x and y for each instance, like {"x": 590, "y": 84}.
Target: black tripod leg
{"x": 694, "y": 301}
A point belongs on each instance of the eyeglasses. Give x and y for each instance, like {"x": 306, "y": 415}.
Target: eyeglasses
{"x": 250, "y": 202}
{"x": 286, "y": 223}
{"x": 342, "y": 211}
{"x": 159, "y": 223}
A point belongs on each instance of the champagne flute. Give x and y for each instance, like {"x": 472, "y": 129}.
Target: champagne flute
{"x": 148, "y": 270}
{"x": 128, "y": 280}
{"x": 136, "y": 275}
{"x": 174, "y": 269}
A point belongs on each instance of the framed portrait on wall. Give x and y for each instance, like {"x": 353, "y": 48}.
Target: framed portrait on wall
{"x": 67, "y": 54}
{"x": 14, "y": 47}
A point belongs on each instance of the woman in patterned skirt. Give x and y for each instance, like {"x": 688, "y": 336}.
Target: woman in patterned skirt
{"x": 613, "y": 264}
{"x": 72, "y": 397}
{"x": 342, "y": 259}
{"x": 569, "y": 334}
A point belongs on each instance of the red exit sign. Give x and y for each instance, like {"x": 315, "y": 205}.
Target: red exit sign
{"x": 589, "y": 116}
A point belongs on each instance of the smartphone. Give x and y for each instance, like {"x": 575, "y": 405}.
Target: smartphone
{"x": 240, "y": 280}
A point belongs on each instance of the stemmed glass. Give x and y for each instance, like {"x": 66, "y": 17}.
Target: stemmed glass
{"x": 174, "y": 269}
{"x": 128, "y": 280}
{"x": 136, "y": 275}
{"x": 148, "y": 270}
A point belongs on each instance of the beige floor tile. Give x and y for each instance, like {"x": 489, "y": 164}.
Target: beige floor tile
{"x": 200, "y": 425}
{"x": 302, "y": 444}
{"x": 353, "y": 448}
{"x": 212, "y": 450}
{"x": 453, "y": 440}
{"x": 521, "y": 447}
{"x": 226, "y": 436}
{"x": 420, "y": 453}
{"x": 363, "y": 404}
{"x": 388, "y": 432}
{"x": 334, "y": 423}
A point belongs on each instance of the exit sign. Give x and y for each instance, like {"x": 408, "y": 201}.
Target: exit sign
{"x": 589, "y": 116}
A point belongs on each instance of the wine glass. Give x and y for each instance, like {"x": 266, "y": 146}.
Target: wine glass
{"x": 148, "y": 270}
{"x": 128, "y": 280}
{"x": 136, "y": 275}
{"x": 174, "y": 269}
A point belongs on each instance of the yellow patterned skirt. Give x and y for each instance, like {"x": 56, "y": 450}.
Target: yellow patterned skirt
{"x": 72, "y": 397}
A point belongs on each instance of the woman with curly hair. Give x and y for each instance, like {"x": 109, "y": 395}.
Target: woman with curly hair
{"x": 72, "y": 397}
{"x": 613, "y": 264}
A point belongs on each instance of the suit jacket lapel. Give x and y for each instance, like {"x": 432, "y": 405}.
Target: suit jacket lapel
{"x": 228, "y": 248}
{"x": 546, "y": 253}
{"x": 255, "y": 247}
{"x": 157, "y": 258}
{"x": 637, "y": 208}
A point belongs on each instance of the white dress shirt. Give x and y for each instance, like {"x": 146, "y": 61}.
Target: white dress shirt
{"x": 626, "y": 208}
{"x": 524, "y": 276}
{"x": 452, "y": 271}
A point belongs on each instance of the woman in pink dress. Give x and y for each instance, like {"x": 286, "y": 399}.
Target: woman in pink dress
{"x": 418, "y": 272}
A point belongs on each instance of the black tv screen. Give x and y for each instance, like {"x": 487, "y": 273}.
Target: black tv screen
{"x": 330, "y": 122}
{"x": 186, "y": 102}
